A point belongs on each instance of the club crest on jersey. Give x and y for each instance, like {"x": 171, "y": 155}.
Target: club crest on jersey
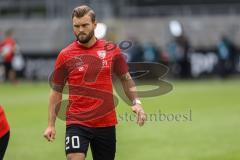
{"x": 101, "y": 54}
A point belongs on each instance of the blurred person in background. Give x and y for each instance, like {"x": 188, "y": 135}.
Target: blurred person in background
{"x": 183, "y": 43}
{"x": 7, "y": 51}
{"x": 150, "y": 52}
{"x": 178, "y": 50}
{"x": 225, "y": 50}
{"x": 4, "y": 133}
{"x": 135, "y": 52}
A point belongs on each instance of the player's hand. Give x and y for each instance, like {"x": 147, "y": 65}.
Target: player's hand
{"x": 141, "y": 116}
{"x": 50, "y": 133}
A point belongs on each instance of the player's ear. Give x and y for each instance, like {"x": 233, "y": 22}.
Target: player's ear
{"x": 95, "y": 24}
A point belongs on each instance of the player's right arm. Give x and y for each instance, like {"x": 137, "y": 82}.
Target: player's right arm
{"x": 57, "y": 83}
{"x": 54, "y": 98}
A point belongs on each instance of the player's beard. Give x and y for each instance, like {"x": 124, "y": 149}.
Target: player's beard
{"x": 85, "y": 38}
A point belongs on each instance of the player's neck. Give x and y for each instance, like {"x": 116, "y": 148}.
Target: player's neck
{"x": 90, "y": 43}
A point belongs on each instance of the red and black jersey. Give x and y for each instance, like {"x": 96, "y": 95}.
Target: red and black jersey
{"x": 88, "y": 75}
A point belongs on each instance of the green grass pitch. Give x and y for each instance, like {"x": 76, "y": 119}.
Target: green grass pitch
{"x": 212, "y": 134}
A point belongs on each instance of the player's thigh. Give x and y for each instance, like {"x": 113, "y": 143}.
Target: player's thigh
{"x": 103, "y": 145}
{"x": 76, "y": 156}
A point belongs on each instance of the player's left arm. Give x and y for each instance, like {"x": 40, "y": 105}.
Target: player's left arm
{"x": 131, "y": 92}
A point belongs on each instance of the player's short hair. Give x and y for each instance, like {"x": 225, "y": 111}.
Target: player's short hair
{"x": 81, "y": 11}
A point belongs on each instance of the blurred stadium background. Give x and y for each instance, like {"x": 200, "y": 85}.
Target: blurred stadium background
{"x": 197, "y": 39}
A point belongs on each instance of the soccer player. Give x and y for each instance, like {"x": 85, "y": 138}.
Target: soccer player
{"x": 8, "y": 48}
{"x": 4, "y": 133}
{"x": 86, "y": 66}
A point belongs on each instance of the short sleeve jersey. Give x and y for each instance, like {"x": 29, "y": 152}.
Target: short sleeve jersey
{"x": 87, "y": 74}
